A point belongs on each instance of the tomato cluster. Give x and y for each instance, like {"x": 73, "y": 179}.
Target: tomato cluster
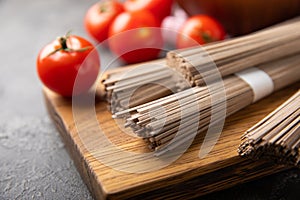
{"x": 133, "y": 31}
{"x": 132, "y": 28}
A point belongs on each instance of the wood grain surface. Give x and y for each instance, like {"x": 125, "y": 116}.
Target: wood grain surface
{"x": 187, "y": 177}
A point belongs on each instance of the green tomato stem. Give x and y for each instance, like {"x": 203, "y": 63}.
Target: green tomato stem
{"x": 64, "y": 47}
{"x": 206, "y": 37}
{"x": 63, "y": 42}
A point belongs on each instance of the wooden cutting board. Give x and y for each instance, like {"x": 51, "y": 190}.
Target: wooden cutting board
{"x": 187, "y": 177}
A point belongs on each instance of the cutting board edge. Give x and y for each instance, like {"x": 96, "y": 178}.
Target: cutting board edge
{"x": 73, "y": 150}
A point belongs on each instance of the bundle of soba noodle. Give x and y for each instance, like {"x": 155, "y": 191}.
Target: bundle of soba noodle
{"x": 277, "y": 136}
{"x": 140, "y": 84}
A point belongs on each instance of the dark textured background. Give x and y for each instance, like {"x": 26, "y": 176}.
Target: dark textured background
{"x": 33, "y": 161}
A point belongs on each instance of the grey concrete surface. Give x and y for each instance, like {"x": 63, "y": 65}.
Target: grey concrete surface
{"x": 33, "y": 161}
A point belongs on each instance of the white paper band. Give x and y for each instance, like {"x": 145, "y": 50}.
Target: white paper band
{"x": 260, "y": 82}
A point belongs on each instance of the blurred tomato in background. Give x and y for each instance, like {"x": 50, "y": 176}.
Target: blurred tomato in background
{"x": 199, "y": 30}
{"x": 241, "y": 17}
{"x": 159, "y": 8}
{"x": 99, "y": 17}
{"x": 135, "y": 36}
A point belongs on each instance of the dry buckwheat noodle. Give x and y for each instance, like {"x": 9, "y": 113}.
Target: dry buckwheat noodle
{"x": 277, "y": 136}
{"x": 236, "y": 54}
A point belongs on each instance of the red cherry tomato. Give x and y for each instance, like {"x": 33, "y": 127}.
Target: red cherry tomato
{"x": 199, "y": 29}
{"x": 159, "y": 8}
{"x": 99, "y": 17}
{"x": 65, "y": 60}
{"x": 135, "y": 36}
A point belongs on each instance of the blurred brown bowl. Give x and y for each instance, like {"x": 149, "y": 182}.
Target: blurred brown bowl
{"x": 244, "y": 16}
